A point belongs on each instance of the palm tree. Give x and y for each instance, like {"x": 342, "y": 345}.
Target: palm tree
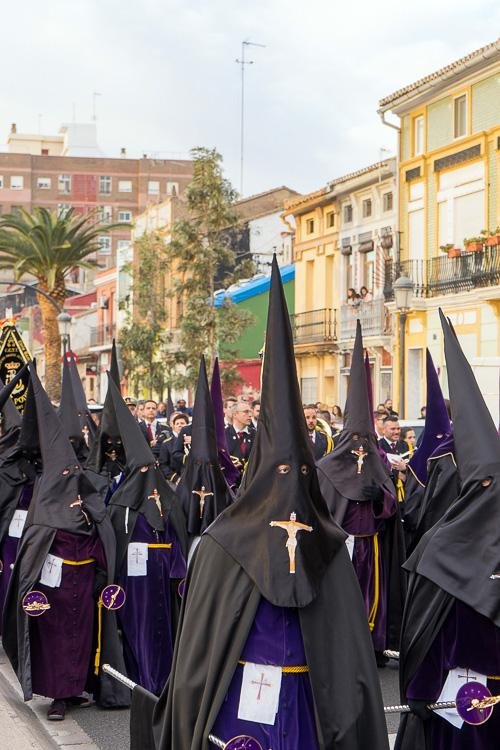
{"x": 48, "y": 245}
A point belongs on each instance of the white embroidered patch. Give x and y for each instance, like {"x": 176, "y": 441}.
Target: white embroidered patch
{"x": 260, "y": 693}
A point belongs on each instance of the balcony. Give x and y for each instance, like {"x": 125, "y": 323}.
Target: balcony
{"x": 102, "y": 335}
{"x": 314, "y": 325}
{"x": 443, "y": 275}
{"x": 374, "y": 317}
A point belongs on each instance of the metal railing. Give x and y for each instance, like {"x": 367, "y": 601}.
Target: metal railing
{"x": 314, "y": 325}
{"x": 374, "y": 317}
{"x": 443, "y": 275}
{"x": 102, "y": 335}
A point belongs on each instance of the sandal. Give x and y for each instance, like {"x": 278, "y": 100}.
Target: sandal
{"x": 57, "y": 710}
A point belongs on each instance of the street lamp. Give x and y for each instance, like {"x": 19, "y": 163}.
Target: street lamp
{"x": 403, "y": 292}
{"x": 64, "y": 325}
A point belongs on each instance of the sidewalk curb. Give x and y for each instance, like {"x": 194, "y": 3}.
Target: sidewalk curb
{"x": 66, "y": 734}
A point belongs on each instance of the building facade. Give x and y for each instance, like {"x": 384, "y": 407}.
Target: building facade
{"x": 345, "y": 232}
{"x": 449, "y": 154}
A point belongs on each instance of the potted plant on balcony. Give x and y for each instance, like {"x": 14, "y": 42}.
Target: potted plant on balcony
{"x": 474, "y": 244}
{"x": 450, "y": 250}
{"x": 493, "y": 238}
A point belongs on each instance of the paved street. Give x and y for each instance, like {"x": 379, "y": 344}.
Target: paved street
{"x": 24, "y": 726}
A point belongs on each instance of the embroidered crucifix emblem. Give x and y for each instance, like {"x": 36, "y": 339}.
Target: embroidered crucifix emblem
{"x": 361, "y": 454}
{"x": 202, "y": 495}
{"x": 292, "y": 527}
{"x": 156, "y": 497}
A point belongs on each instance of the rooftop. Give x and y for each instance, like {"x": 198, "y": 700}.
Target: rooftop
{"x": 248, "y": 288}
{"x": 477, "y": 58}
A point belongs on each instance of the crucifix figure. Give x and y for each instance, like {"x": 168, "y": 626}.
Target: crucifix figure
{"x": 86, "y": 433}
{"x": 261, "y": 683}
{"x": 292, "y": 527}
{"x": 202, "y": 495}
{"x": 79, "y": 502}
{"x": 155, "y": 496}
{"x": 361, "y": 454}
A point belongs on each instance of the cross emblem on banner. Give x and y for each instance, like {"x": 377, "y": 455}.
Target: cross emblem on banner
{"x": 261, "y": 683}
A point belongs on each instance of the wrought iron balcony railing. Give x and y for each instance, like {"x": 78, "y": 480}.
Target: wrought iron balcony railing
{"x": 443, "y": 275}
{"x": 314, "y": 325}
{"x": 102, "y": 335}
{"x": 374, "y": 317}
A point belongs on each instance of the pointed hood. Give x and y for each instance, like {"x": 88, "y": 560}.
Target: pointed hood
{"x": 114, "y": 370}
{"x": 29, "y": 439}
{"x": 169, "y": 404}
{"x": 231, "y": 473}
{"x": 68, "y": 415}
{"x": 106, "y": 450}
{"x": 437, "y": 424}
{"x": 476, "y": 437}
{"x": 280, "y": 530}
{"x": 460, "y": 554}
{"x": 137, "y": 451}
{"x": 202, "y": 473}
{"x": 340, "y": 465}
{"x": 84, "y": 415}
{"x": 65, "y": 499}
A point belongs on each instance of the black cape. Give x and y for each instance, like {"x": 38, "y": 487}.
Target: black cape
{"x": 223, "y": 600}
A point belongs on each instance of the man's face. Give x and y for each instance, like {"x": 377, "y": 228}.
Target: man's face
{"x": 311, "y": 419}
{"x": 379, "y": 425}
{"x": 139, "y": 411}
{"x": 392, "y": 431}
{"x": 256, "y": 411}
{"x": 388, "y": 404}
{"x": 149, "y": 410}
{"x": 242, "y": 415}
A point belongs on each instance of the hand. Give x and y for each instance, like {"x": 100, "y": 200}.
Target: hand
{"x": 419, "y": 708}
{"x": 372, "y": 493}
{"x": 400, "y": 465}
{"x": 187, "y": 439}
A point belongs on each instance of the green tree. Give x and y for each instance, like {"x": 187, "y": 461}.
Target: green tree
{"x": 201, "y": 258}
{"x": 48, "y": 245}
{"x": 145, "y": 341}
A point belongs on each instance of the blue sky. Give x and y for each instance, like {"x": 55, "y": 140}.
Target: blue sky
{"x": 168, "y": 80}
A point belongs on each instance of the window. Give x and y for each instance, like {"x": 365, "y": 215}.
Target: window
{"x": 387, "y": 202}
{"x": 154, "y": 187}
{"x": 16, "y": 182}
{"x": 105, "y": 214}
{"x": 310, "y": 226}
{"x": 348, "y": 213}
{"x": 330, "y": 219}
{"x": 418, "y": 135}
{"x": 460, "y": 116}
{"x": 105, "y": 184}
{"x": 309, "y": 390}
{"x": 105, "y": 245}
{"x": 43, "y": 183}
{"x": 124, "y": 186}
{"x": 367, "y": 208}
{"x": 125, "y": 216}
{"x": 123, "y": 245}
{"x": 1, "y": 182}
{"x": 45, "y": 151}
{"x": 64, "y": 183}
{"x": 172, "y": 188}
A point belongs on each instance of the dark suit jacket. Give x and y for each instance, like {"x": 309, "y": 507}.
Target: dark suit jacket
{"x": 320, "y": 445}
{"x": 157, "y": 433}
{"x": 401, "y": 446}
{"x": 233, "y": 442}
{"x": 178, "y": 450}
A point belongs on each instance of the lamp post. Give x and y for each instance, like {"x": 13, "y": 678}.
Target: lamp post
{"x": 403, "y": 292}
{"x": 64, "y": 324}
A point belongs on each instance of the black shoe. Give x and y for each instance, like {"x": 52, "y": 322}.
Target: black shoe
{"x": 57, "y": 710}
{"x": 80, "y": 701}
